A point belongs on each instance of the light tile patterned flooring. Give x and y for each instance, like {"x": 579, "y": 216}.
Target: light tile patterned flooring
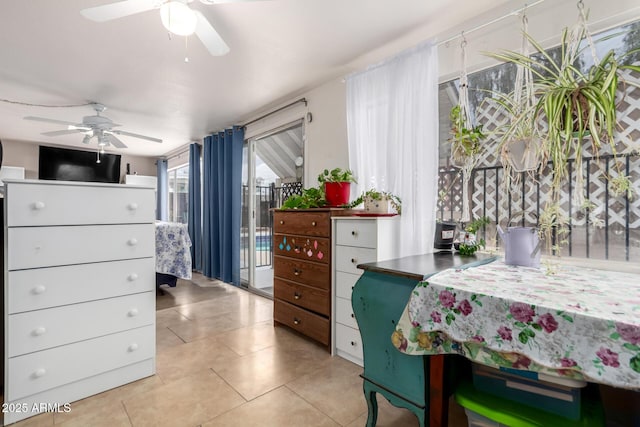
{"x": 220, "y": 362}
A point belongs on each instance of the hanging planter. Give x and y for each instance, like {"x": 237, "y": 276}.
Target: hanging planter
{"x": 466, "y": 139}
{"x": 578, "y": 107}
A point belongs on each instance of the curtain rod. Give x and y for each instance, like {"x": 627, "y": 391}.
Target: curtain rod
{"x": 276, "y": 111}
{"x": 493, "y": 21}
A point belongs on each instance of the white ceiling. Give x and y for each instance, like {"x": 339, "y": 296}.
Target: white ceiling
{"x": 51, "y": 55}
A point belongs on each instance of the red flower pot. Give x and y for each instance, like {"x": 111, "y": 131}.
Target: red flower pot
{"x": 337, "y": 193}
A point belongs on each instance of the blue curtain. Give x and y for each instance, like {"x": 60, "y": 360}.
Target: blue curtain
{"x": 195, "y": 206}
{"x": 162, "y": 192}
{"x": 221, "y": 208}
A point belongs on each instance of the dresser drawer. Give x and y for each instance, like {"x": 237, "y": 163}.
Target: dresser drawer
{"x": 304, "y": 272}
{"x": 344, "y": 313}
{"x": 303, "y": 321}
{"x": 303, "y": 296}
{"x": 50, "y": 204}
{"x": 348, "y": 257}
{"x": 345, "y": 283}
{"x": 42, "y": 329}
{"x": 349, "y": 341}
{"x": 308, "y": 248}
{"x": 40, "y": 288}
{"x": 316, "y": 224}
{"x": 33, "y": 247}
{"x": 43, "y": 370}
{"x": 359, "y": 232}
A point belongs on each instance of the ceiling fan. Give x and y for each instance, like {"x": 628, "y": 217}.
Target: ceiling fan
{"x": 176, "y": 15}
{"x": 99, "y": 127}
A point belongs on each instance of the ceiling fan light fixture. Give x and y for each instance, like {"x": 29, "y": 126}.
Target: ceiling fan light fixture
{"x": 178, "y": 18}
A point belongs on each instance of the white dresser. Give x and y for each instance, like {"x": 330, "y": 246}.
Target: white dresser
{"x": 79, "y": 291}
{"x": 356, "y": 240}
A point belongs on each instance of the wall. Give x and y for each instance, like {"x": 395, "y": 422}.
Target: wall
{"x": 25, "y": 154}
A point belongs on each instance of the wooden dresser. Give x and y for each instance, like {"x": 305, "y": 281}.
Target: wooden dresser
{"x": 302, "y": 272}
{"x": 79, "y": 292}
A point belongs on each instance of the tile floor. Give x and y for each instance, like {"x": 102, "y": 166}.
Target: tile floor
{"x": 220, "y": 362}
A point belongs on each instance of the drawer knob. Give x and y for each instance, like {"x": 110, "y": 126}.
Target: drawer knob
{"x": 39, "y": 331}
{"x": 38, "y": 206}
{"x": 296, "y": 295}
{"x": 132, "y": 241}
{"x": 313, "y": 223}
{"x": 296, "y": 321}
{"x": 354, "y": 261}
{"x": 132, "y": 277}
{"x": 40, "y": 289}
{"x": 281, "y": 222}
{"x": 133, "y": 312}
{"x": 354, "y": 233}
{"x": 133, "y": 347}
{"x": 353, "y": 343}
{"x": 132, "y": 206}
{"x": 39, "y": 373}
{"x": 296, "y": 272}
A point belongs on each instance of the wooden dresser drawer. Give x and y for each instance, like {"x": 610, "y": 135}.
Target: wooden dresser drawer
{"x": 41, "y": 329}
{"x": 303, "y": 321}
{"x": 33, "y": 247}
{"x": 308, "y": 248}
{"x": 307, "y": 297}
{"x": 55, "y": 204}
{"x": 358, "y": 232}
{"x": 304, "y": 272}
{"x": 43, "y": 370}
{"x": 316, "y": 224}
{"x": 348, "y": 257}
{"x": 40, "y": 288}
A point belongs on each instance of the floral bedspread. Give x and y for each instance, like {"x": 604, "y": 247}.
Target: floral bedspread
{"x": 173, "y": 253}
{"x": 579, "y": 322}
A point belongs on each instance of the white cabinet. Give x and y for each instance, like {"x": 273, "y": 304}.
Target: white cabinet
{"x": 357, "y": 240}
{"x": 79, "y": 291}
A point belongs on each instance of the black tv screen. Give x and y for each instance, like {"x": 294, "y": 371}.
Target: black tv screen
{"x": 76, "y": 165}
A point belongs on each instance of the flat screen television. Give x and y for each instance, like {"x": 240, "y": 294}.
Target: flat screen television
{"x": 77, "y": 165}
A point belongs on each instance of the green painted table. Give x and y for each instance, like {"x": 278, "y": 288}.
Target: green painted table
{"x": 418, "y": 383}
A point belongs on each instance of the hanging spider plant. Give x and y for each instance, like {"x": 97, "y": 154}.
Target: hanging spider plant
{"x": 574, "y": 104}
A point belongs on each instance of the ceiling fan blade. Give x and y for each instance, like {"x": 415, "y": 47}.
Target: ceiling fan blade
{"x": 226, "y": 1}
{"x": 62, "y": 132}
{"x": 117, "y": 10}
{"x": 44, "y": 119}
{"x": 210, "y": 37}
{"x": 135, "y": 135}
{"x": 115, "y": 141}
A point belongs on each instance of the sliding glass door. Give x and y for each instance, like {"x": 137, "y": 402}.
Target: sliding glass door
{"x": 272, "y": 169}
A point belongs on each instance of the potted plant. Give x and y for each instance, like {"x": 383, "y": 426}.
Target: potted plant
{"x": 310, "y": 198}
{"x": 575, "y": 105}
{"x": 337, "y": 185}
{"x": 381, "y": 202}
{"x": 469, "y": 242}
{"x": 465, "y": 139}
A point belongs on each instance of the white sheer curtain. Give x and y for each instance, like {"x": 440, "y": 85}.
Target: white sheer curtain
{"x": 392, "y": 125}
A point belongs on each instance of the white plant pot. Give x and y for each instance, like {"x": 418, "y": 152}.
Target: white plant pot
{"x": 523, "y": 154}
{"x": 382, "y": 206}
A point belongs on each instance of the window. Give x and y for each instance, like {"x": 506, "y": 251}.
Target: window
{"x": 179, "y": 194}
{"x": 609, "y": 228}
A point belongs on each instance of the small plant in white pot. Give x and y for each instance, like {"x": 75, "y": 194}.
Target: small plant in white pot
{"x": 379, "y": 202}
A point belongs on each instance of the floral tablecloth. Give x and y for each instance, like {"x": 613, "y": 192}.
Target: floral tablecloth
{"x": 578, "y": 322}
{"x": 173, "y": 249}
